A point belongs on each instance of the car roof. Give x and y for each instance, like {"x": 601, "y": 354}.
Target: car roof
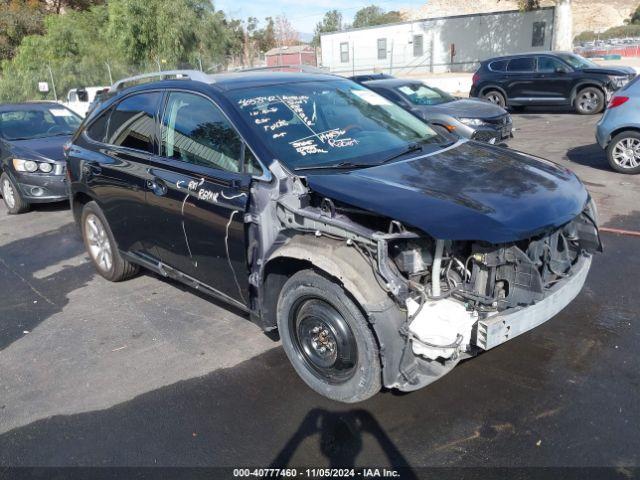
{"x": 391, "y": 82}
{"x": 525, "y": 54}
{"x": 238, "y": 80}
{"x": 12, "y": 107}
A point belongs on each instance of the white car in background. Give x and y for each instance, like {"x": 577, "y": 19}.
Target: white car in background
{"x": 79, "y": 99}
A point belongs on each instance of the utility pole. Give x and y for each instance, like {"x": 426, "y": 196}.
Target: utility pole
{"x": 353, "y": 58}
{"x": 109, "y": 70}
{"x": 563, "y": 26}
{"x": 53, "y": 83}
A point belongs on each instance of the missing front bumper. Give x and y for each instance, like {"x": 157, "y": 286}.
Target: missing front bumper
{"x": 502, "y": 327}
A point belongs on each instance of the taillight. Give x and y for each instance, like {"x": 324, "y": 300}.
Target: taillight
{"x": 475, "y": 78}
{"x": 617, "y": 101}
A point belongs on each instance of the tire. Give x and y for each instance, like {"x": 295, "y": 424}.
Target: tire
{"x": 12, "y": 197}
{"x": 589, "y": 101}
{"x": 316, "y": 313}
{"x": 496, "y": 97}
{"x": 102, "y": 247}
{"x": 623, "y": 152}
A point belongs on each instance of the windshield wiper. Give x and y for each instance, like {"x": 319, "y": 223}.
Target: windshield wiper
{"x": 412, "y": 147}
{"x": 340, "y": 165}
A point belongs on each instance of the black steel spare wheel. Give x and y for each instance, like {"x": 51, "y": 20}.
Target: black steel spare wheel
{"x": 323, "y": 340}
{"x": 327, "y": 338}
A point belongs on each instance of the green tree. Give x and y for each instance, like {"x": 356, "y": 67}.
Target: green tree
{"x": 331, "y": 22}
{"x": 18, "y": 18}
{"x": 374, "y": 15}
{"x": 635, "y": 17}
{"x": 265, "y": 37}
{"x": 156, "y": 30}
{"x": 124, "y": 37}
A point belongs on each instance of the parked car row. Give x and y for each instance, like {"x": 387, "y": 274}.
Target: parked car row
{"x": 381, "y": 244}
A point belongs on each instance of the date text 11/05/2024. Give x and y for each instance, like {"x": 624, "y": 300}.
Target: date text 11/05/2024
{"x": 316, "y": 473}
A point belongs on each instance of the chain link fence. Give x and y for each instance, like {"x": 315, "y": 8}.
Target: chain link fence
{"x": 52, "y": 81}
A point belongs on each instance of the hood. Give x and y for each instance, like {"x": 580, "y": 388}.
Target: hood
{"x": 468, "y": 191}
{"x": 624, "y": 71}
{"x": 47, "y": 147}
{"x": 465, "y": 108}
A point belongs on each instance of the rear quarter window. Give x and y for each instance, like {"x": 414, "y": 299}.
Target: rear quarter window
{"x": 498, "y": 65}
{"x": 97, "y": 130}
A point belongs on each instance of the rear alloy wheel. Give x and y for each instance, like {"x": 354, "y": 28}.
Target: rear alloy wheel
{"x": 623, "y": 152}
{"x": 327, "y": 338}
{"x": 495, "y": 97}
{"x": 11, "y": 195}
{"x": 589, "y": 101}
{"x": 101, "y": 246}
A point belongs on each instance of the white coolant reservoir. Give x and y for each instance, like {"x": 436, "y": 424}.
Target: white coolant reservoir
{"x": 440, "y": 322}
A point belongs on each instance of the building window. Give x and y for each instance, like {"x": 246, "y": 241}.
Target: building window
{"x": 382, "y": 48}
{"x": 344, "y": 52}
{"x": 537, "y": 38}
{"x": 418, "y": 45}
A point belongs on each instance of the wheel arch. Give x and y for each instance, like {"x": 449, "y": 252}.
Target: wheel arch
{"x": 344, "y": 265}
{"x": 332, "y": 258}
{"x": 586, "y": 84}
{"x": 483, "y": 90}
{"x": 78, "y": 200}
{"x": 626, "y": 128}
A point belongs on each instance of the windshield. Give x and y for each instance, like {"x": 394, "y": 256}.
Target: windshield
{"x": 422, "y": 95}
{"x": 324, "y": 123}
{"x": 576, "y": 61}
{"x": 23, "y": 124}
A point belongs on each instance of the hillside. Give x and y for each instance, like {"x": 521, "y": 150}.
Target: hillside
{"x": 596, "y": 15}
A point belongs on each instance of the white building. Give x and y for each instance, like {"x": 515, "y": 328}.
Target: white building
{"x": 445, "y": 44}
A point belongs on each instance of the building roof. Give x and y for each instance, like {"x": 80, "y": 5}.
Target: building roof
{"x": 430, "y": 19}
{"x": 289, "y": 49}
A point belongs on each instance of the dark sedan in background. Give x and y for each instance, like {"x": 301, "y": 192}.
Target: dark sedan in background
{"x": 32, "y": 165}
{"x": 469, "y": 118}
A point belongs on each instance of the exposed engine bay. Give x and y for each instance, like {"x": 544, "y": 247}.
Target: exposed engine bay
{"x": 449, "y": 291}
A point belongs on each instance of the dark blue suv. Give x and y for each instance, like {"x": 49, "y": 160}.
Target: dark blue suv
{"x": 548, "y": 78}
{"x": 383, "y": 252}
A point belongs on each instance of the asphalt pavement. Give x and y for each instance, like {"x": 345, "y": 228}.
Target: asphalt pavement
{"x": 150, "y": 373}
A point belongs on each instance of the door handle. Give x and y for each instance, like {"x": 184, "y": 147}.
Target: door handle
{"x": 157, "y": 186}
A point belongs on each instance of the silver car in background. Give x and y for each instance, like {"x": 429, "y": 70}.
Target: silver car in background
{"x": 618, "y": 131}
{"x": 473, "y": 118}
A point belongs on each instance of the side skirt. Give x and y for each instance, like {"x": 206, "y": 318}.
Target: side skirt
{"x": 164, "y": 270}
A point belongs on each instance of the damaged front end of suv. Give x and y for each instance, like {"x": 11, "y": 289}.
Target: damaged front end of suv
{"x": 431, "y": 302}
{"x": 388, "y": 268}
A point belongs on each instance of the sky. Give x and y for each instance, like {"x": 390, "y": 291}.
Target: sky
{"x": 304, "y": 14}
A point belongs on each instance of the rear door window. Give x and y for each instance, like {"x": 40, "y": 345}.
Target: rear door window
{"x": 132, "y": 123}
{"x": 524, "y": 64}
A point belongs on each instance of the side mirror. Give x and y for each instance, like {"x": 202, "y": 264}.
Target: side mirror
{"x": 561, "y": 70}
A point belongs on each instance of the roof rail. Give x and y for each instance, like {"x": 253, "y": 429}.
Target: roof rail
{"x": 194, "y": 75}
{"x": 292, "y": 68}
